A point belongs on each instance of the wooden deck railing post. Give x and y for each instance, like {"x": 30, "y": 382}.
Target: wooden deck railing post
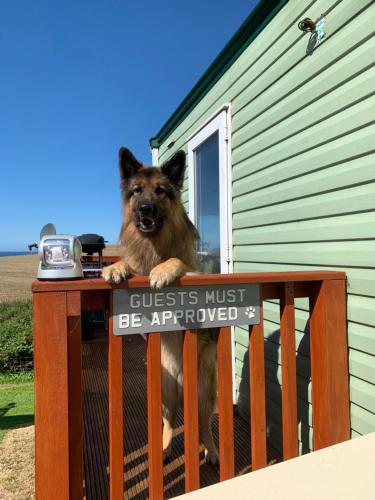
{"x": 257, "y": 394}
{"x": 225, "y": 403}
{"x": 155, "y": 444}
{"x": 191, "y": 432}
{"x": 58, "y": 396}
{"x": 329, "y": 364}
{"x": 288, "y": 372}
{"x": 115, "y": 413}
{"x": 75, "y": 394}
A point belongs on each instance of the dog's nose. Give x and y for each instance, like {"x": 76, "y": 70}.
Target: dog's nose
{"x": 146, "y": 209}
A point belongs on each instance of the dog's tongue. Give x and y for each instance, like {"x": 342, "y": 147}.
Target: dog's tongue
{"x": 146, "y": 222}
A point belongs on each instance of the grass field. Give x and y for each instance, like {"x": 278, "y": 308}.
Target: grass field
{"x": 18, "y": 272}
{"x": 16, "y": 401}
{"x": 16, "y": 276}
{"x": 17, "y": 390}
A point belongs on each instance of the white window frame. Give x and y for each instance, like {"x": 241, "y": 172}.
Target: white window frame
{"x": 220, "y": 122}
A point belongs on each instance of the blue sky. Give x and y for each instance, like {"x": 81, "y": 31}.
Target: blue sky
{"x": 79, "y": 79}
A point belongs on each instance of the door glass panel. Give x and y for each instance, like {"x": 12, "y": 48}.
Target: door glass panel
{"x": 207, "y": 208}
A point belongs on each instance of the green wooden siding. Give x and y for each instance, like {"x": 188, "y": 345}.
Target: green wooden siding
{"x": 303, "y": 168}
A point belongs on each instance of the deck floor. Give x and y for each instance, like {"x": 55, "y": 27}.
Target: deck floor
{"x": 95, "y": 408}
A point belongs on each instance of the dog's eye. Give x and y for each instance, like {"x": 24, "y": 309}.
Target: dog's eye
{"x": 137, "y": 189}
{"x": 159, "y": 190}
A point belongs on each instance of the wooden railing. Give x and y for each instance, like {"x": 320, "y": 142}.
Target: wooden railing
{"x": 58, "y": 387}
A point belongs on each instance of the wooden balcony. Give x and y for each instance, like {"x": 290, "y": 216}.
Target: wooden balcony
{"x": 102, "y": 400}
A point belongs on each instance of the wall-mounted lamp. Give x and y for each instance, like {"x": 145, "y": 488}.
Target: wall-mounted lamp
{"x": 307, "y": 25}
{"x": 316, "y": 29}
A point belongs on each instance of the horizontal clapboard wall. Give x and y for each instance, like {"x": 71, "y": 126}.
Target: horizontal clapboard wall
{"x": 303, "y": 169}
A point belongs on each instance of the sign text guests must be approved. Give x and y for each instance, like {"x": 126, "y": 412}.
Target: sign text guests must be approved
{"x": 140, "y": 310}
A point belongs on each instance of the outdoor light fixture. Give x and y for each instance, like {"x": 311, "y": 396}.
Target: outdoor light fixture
{"x": 59, "y": 256}
{"x": 307, "y": 25}
{"x": 316, "y": 29}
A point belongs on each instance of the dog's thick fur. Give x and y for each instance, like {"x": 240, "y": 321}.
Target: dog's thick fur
{"x": 159, "y": 240}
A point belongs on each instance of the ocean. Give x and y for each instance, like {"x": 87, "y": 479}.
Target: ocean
{"x": 12, "y": 254}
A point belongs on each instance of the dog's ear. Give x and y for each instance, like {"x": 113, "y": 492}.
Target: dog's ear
{"x": 129, "y": 165}
{"x": 174, "y": 168}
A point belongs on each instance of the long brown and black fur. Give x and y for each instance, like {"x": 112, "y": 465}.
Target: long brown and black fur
{"x": 159, "y": 240}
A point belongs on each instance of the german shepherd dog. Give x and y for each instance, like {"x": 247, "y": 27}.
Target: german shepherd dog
{"x": 159, "y": 241}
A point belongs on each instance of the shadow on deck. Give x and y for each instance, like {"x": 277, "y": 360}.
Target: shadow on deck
{"x": 95, "y": 408}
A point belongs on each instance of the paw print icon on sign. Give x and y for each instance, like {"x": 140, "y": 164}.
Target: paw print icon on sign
{"x": 250, "y": 312}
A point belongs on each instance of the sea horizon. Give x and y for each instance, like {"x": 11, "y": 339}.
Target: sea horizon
{"x": 14, "y": 254}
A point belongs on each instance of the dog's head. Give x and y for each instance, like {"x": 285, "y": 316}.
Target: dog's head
{"x": 150, "y": 194}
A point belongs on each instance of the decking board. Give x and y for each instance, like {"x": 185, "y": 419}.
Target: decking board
{"x": 95, "y": 412}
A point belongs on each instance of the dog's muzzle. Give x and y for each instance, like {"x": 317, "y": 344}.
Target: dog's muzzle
{"x": 147, "y": 215}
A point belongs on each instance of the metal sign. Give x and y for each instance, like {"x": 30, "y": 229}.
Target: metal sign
{"x": 140, "y": 310}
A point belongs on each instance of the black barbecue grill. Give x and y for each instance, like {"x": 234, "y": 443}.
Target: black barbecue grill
{"x": 94, "y": 324}
{"x": 92, "y": 244}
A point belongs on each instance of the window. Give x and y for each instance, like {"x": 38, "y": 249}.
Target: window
{"x": 209, "y": 193}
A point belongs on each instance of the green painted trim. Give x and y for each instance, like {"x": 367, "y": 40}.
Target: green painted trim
{"x": 248, "y": 31}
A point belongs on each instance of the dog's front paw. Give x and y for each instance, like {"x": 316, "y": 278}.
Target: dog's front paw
{"x": 161, "y": 276}
{"x": 116, "y": 272}
{"x": 166, "y": 272}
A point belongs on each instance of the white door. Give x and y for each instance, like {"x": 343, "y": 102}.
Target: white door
{"x": 210, "y": 197}
{"x": 209, "y": 193}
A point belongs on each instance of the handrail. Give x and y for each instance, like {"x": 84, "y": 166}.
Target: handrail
{"x": 190, "y": 280}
